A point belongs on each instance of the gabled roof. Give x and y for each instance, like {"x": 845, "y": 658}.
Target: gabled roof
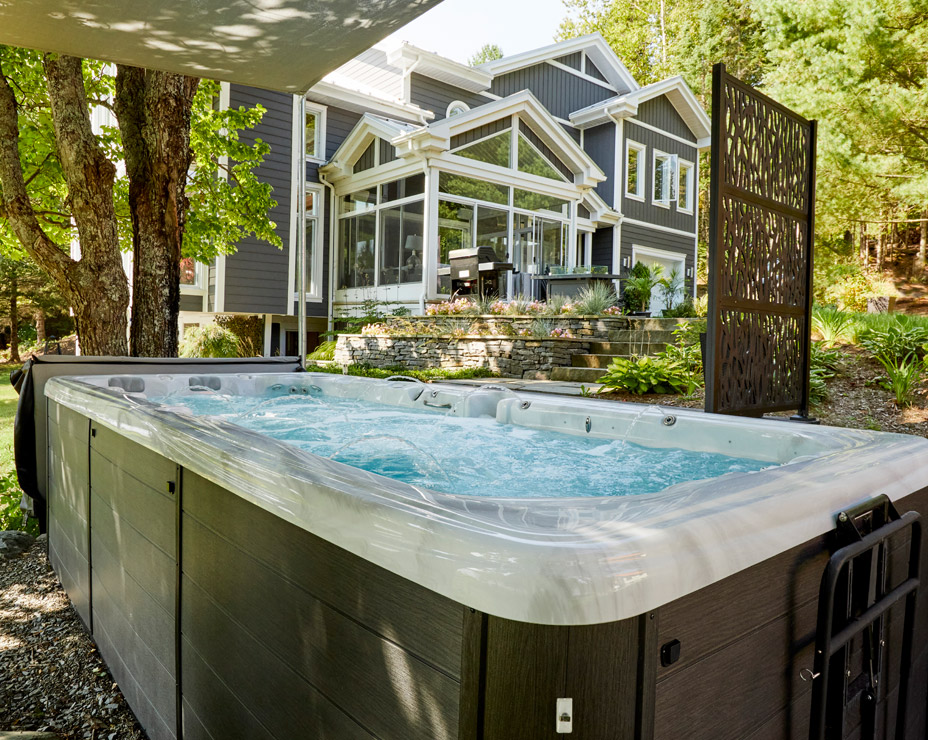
{"x": 624, "y": 106}
{"x": 411, "y": 58}
{"x": 365, "y": 130}
{"x": 437, "y": 136}
{"x": 595, "y": 46}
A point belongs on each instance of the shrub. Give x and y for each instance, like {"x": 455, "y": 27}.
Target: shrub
{"x": 832, "y": 325}
{"x": 596, "y": 299}
{"x": 686, "y": 350}
{"x": 648, "y": 375}
{"x": 902, "y": 376}
{"x": 209, "y": 341}
{"x": 638, "y": 286}
{"x": 896, "y": 342}
{"x": 11, "y": 516}
{"x": 324, "y": 352}
{"x": 823, "y": 365}
{"x": 249, "y": 330}
{"x": 685, "y": 310}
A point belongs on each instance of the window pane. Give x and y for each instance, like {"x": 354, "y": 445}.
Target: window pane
{"x": 685, "y": 191}
{"x": 493, "y": 230}
{"x": 455, "y": 224}
{"x": 188, "y": 271}
{"x": 552, "y": 237}
{"x": 580, "y": 255}
{"x": 632, "y": 170}
{"x": 494, "y": 150}
{"x": 401, "y": 244}
{"x": 356, "y": 251}
{"x": 312, "y": 126}
{"x": 468, "y": 187}
{"x": 538, "y": 202}
{"x": 405, "y": 188}
{"x": 662, "y": 178}
{"x": 310, "y": 202}
{"x": 310, "y": 253}
{"x": 532, "y": 161}
{"x": 363, "y": 200}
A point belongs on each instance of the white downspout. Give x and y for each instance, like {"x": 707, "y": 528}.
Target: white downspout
{"x": 301, "y": 238}
{"x": 330, "y": 309}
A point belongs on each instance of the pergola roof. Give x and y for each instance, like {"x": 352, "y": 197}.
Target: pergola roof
{"x": 285, "y": 45}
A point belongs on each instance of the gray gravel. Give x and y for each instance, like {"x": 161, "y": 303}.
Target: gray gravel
{"x": 51, "y": 676}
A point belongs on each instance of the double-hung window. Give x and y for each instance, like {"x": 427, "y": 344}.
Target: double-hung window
{"x": 664, "y": 172}
{"x": 634, "y": 170}
{"x": 315, "y": 132}
{"x": 313, "y": 233}
{"x": 685, "y": 187}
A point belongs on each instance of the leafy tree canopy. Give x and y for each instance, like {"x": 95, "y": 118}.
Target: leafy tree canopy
{"x": 486, "y": 53}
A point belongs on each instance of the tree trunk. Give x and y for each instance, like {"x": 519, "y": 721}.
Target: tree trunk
{"x": 881, "y": 248}
{"x": 864, "y": 246}
{"x": 923, "y": 243}
{"x": 153, "y": 109}
{"x": 14, "y": 318}
{"x": 95, "y": 286}
{"x": 39, "y": 326}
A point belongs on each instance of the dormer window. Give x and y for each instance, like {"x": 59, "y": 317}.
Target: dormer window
{"x": 457, "y": 108}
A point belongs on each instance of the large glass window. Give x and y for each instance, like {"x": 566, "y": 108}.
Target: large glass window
{"x": 401, "y": 240}
{"x": 494, "y": 150}
{"x": 493, "y": 230}
{"x": 357, "y": 236}
{"x": 469, "y": 187}
{"x": 455, "y": 228}
{"x": 405, "y": 188}
{"x": 534, "y": 162}
{"x": 363, "y": 200}
{"x": 634, "y": 170}
{"x": 538, "y": 202}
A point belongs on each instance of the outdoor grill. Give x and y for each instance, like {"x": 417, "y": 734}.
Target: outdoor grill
{"x": 475, "y": 271}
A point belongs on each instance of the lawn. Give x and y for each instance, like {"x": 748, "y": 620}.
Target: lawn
{"x": 9, "y": 490}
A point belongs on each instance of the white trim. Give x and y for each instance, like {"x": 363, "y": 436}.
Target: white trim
{"x": 669, "y": 230}
{"x": 581, "y": 75}
{"x": 685, "y": 164}
{"x": 219, "y": 297}
{"x": 396, "y": 170}
{"x": 297, "y": 162}
{"x": 640, "y": 193}
{"x": 621, "y": 157}
{"x": 321, "y": 112}
{"x": 487, "y": 138}
{"x": 655, "y": 153}
{"x": 515, "y": 154}
{"x": 491, "y": 96}
{"x": 411, "y": 58}
{"x": 314, "y": 289}
{"x": 632, "y": 119}
{"x": 267, "y": 334}
{"x": 662, "y": 254}
{"x": 456, "y": 104}
{"x": 696, "y": 224}
{"x": 361, "y": 102}
{"x": 506, "y": 176}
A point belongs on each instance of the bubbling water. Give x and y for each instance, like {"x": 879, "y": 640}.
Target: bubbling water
{"x": 472, "y": 456}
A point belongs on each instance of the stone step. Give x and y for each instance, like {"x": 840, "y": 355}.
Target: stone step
{"x": 577, "y": 374}
{"x": 598, "y": 361}
{"x": 639, "y": 337}
{"x": 655, "y": 324}
{"x": 626, "y": 348}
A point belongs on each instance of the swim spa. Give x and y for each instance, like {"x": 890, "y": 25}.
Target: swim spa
{"x": 240, "y": 586}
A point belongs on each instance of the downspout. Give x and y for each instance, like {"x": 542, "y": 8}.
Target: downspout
{"x": 426, "y": 241}
{"x": 301, "y": 238}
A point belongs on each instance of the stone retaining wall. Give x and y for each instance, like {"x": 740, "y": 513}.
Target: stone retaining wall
{"x": 596, "y": 327}
{"x": 513, "y": 356}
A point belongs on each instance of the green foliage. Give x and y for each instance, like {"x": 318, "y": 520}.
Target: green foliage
{"x": 849, "y": 286}
{"x": 248, "y": 331}
{"x": 895, "y": 342}
{"x": 211, "y": 340}
{"x": 641, "y": 281}
{"x": 595, "y": 299}
{"x": 426, "y": 374}
{"x": 686, "y": 309}
{"x": 686, "y": 351}
{"x": 648, "y": 375}
{"x": 903, "y": 375}
{"x": 372, "y": 311}
{"x": 670, "y": 288}
{"x": 325, "y": 352}
{"x": 486, "y": 53}
{"x": 823, "y": 365}
{"x": 834, "y": 326}
{"x": 11, "y": 516}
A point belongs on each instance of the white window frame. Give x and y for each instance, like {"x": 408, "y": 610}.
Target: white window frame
{"x": 686, "y": 169}
{"x": 654, "y": 157}
{"x": 460, "y": 105}
{"x": 319, "y": 143}
{"x": 641, "y": 150}
{"x": 313, "y": 251}
{"x": 198, "y": 287}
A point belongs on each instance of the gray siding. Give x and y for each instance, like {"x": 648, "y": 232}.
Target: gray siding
{"x": 602, "y": 248}
{"x": 593, "y": 71}
{"x": 661, "y": 113}
{"x": 558, "y": 90}
{"x": 191, "y": 303}
{"x": 633, "y": 234}
{"x": 437, "y": 96}
{"x": 572, "y": 60}
{"x": 647, "y": 211}
{"x": 256, "y": 275}
{"x": 211, "y": 287}
{"x": 599, "y": 143}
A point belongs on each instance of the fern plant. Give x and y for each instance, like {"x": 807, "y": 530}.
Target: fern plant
{"x": 649, "y": 375}
{"x": 902, "y": 377}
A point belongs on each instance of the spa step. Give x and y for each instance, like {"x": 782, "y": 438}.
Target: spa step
{"x": 577, "y": 374}
{"x": 596, "y": 361}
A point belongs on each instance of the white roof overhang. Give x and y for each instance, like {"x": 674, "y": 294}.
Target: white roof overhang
{"x": 285, "y": 45}
{"x": 411, "y": 59}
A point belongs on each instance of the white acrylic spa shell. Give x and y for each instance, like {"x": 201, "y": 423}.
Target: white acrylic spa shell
{"x": 548, "y": 561}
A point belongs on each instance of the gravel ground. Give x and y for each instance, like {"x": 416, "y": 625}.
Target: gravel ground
{"x": 51, "y": 676}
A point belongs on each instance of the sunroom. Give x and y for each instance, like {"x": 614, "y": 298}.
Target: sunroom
{"x": 505, "y": 176}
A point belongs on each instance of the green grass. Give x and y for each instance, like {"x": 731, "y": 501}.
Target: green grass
{"x": 8, "y": 401}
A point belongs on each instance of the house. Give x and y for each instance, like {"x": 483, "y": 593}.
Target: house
{"x": 556, "y": 158}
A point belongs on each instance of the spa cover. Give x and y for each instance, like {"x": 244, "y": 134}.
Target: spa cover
{"x": 285, "y": 45}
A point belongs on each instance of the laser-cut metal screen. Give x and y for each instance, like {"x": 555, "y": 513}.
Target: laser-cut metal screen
{"x": 762, "y": 215}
